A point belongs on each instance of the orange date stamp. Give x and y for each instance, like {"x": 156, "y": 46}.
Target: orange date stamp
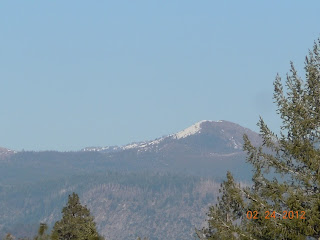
{"x": 275, "y": 215}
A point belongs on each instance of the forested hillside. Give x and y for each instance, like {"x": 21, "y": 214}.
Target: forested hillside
{"x": 125, "y": 206}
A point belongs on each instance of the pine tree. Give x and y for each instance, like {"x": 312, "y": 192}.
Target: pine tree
{"x": 76, "y": 222}
{"x": 287, "y": 205}
{"x": 42, "y": 232}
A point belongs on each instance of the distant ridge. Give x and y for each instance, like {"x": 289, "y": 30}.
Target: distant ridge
{"x": 201, "y": 127}
{"x": 206, "y": 148}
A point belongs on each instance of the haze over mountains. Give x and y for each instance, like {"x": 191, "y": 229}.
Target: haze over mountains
{"x": 120, "y": 183}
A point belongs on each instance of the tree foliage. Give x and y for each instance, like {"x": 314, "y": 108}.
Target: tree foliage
{"x": 76, "y": 222}
{"x": 285, "y": 193}
{"x": 42, "y": 232}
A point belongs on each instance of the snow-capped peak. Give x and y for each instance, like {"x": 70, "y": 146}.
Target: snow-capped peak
{"x": 195, "y": 128}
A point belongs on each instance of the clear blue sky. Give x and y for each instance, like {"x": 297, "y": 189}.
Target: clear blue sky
{"x": 97, "y": 73}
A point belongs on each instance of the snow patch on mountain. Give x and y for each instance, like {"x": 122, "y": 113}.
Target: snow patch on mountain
{"x": 98, "y": 149}
{"x": 130, "y": 146}
{"x": 142, "y": 144}
{"x": 235, "y": 144}
{"x": 194, "y": 129}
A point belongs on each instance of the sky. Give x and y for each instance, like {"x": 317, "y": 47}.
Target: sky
{"x": 75, "y": 74}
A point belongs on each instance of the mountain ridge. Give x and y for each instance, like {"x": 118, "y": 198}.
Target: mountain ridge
{"x": 207, "y": 148}
{"x": 194, "y": 129}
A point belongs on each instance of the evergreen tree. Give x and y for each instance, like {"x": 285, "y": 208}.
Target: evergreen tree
{"x": 286, "y": 206}
{"x": 42, "y": 232}
{"x": 76, "y": 222}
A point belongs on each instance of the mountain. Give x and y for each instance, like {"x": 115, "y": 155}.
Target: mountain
{"x": 207, "y": 148}
{"x": 218, "y": 136}
{"x": 160, "y": 188}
